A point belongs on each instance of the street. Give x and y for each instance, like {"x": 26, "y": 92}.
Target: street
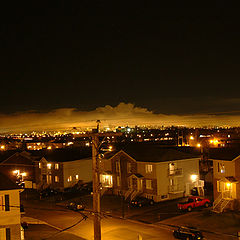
{"x": 112, "y": 228}
{"x": 153, "y": 222}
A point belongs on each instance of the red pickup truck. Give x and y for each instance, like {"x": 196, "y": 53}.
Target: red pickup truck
{"x": 193, "y": 202}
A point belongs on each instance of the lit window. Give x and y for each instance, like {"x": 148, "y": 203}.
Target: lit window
{"x": 106, "y": 180}
{"x": 221, "y": 167}
{"x": 69, "y": 179}
{"x": 148, "y": 168}
{"x": 56, "y": 179}
{"x": 49, "y": 165}
{"x": 171, "y": 168}
{"x": 77, "y": 177}
{"x": 148, "y": 184}
{"x": 56, "y": 166}
{"x": 40, "y": 165}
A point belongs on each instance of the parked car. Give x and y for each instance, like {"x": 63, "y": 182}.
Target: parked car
{"x": 187, "y": 233}
{"x": 48, "y": 192}
{"x": 193, "y": 202}
{"x": 75, "y": 206}
{"x": 141, "y": 201}
{"x": 86, "y": 187}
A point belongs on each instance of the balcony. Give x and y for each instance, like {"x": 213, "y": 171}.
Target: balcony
{"x": 176, "y": 172}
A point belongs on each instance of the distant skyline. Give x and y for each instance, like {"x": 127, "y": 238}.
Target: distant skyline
{"x": 179, "y": 64}
{"x": 124, "y": 114}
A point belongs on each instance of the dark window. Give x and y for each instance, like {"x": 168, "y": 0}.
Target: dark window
{"x": 7, "y": 207}
{"x": 8, "y": 237}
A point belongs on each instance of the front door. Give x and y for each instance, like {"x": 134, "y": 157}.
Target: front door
{"x": 229, "y": 190}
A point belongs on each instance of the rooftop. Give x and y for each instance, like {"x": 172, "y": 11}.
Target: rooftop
{"x": 63, "y": 155}
{"x": 6, "y": 183}
{"x": 227, "y": 154}
{"x": 158, "y": 153}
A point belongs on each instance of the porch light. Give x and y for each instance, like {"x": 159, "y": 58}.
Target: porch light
{"x": 194, "y": 177}
{"x": 24, "y": 174}
{"x": 17, "y": 172}
{"x": 228, "y": 184}
{"x": 198, "y": 145}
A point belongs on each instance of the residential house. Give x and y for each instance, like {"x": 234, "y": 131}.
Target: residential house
{"x": 10, "y": 227}
{"x": 226, "y": 178}
{"x": 64, "y": 168}
{"x": 19, "y": 167}
{"x": 158, "y": 173}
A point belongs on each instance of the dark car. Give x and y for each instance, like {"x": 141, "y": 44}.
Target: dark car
{"x": 187, "y": 233}
{"x": 86, "y": 188}
{"x": 141, "y": 201}
{"x": 75, "y": 206}
{"x": 48, "y": 192}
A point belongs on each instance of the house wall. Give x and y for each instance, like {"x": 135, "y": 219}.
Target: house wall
{"x": 12, "y": 216}
{"x": 159, "y": 175}
{"x": 188, "y": 166}
{"x": 59, "y": 174}
{"x": 141, "y": 168}
{"x": 82, "y": 168}
{"x": 217, "y": 175}
{"x": 14, "y": 230}
{"x": 123, "y": 159}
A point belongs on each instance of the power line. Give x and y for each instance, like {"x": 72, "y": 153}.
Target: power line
{"x": 67, "y": 228}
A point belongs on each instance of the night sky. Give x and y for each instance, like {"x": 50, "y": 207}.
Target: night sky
{"x": 88, "y": 54}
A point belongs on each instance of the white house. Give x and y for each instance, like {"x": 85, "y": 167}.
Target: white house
{"x": 10, "y": 227}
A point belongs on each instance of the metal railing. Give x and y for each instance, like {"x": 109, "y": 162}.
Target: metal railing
{"x": 175, "y": 172}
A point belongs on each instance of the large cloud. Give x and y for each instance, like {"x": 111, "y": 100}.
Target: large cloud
{"x": 122, "y": 114}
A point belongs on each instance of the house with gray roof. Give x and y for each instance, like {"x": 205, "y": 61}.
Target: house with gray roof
{"x": 156, "y": 172}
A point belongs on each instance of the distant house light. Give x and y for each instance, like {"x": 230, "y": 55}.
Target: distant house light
{"x": 49, "y": 165}
{"x": 77, "y": 177}
{"x": 57, "y": 166}
{"x": 2, "y": 147}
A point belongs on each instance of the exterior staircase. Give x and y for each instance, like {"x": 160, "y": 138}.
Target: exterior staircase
{"x": 134, "y": 194}
{"x": 103, "y": 190}
{"x": 220, "y": 204}
{"x": 128, "y": 193}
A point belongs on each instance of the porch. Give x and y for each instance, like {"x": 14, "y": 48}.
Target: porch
{"x": 227, "y": 193}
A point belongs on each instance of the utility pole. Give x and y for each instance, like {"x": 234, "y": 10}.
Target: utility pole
{"x": 96, "y": 178}
{"x": 96, "y": 188}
